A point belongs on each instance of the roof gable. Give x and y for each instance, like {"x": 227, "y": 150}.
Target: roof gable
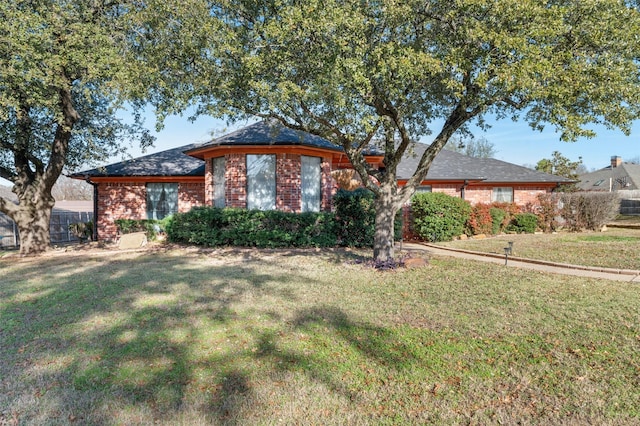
{"x": 267, "y": 133}
{"x": 625, "y": 176}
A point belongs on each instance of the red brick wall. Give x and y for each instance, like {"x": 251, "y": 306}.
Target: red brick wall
{"x": 328, "y": 185}
{"x": 128, "y": 200}
{"x": 288, "y": 182}
{"x": 236, "y": 180}
{"x": 121, "y": 200}
{"x": 208, "y": 181}
{"x": 190, "y": 194}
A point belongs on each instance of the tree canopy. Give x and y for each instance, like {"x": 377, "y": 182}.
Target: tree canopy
{"x": 64, "y": 71}
{"x": 391, "y": 72}
{"x": 560, "y": 165}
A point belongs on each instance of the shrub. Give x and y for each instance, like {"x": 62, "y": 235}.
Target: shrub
{"x": 547, "y": 212}
{"x": 356, "y": 218}
{"x": 497, "y": 220}
{"x": 588, "y": 210}
{"x": 210, "y": 226}
{"x": 150, "y": 227}
{"x": 524, "y": 223}
{"x": 438, "y": 216}
{"x": 480, "y": 220}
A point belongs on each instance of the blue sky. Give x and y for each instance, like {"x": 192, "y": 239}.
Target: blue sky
{"x": 515, "y": 142}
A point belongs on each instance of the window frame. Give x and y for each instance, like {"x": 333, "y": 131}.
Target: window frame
{"x": 253, "y": 202}
{"x": 495, "y": 191}
{"x": 219, "y": 187}
{"x": 312, "y": 183}
{"x": 162, "y": 193}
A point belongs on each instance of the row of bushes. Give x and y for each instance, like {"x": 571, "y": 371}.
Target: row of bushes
{"x": 352, "y": 225}
{"x": 435, "y": 217}
{"x": 440, "y": 217}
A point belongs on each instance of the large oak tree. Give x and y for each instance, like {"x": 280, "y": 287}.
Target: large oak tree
{"x": 64, "y": 72}
{"x": 389, "y": 73}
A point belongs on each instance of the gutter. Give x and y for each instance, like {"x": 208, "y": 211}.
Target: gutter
{"x": 94, "y": 234}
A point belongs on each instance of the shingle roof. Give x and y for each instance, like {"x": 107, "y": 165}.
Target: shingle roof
{"x": 172, "y": 162}
{"x": 625, "y": 176}
{"x": 450, "y": 165}
{"x": 269, "y": 133}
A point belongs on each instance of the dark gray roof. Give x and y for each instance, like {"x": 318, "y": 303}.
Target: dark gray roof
{"x": 450, "y": 165}
{"x": 269, "y": 133}
{"x": 625, "y": 176}
{"x": 172, "y": 162}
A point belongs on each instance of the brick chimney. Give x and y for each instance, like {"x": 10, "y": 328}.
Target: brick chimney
{"x": 615, "y": 161}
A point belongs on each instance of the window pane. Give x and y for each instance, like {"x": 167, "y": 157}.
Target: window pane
{"x": 311, "y": 181}
{"x": 261, "y": 182}
{"x": 218, "y": 182}
{"x": 502, "y": 195}
{"x": 423, "y": 188}
{"x": 162, "y": 200}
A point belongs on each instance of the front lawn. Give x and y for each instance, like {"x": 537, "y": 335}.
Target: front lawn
{"x": 186, "y": 336}
{"x": 615, "y": 248}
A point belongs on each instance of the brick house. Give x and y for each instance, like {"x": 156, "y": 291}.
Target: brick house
{"x": 263, "y": 166}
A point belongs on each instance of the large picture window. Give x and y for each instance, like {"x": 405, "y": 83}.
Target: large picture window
{"x": 311, "y": 181}
{"x": 502, "y": 195}
{"x": 162, "y": 200}
{"x": 219, "y": 182}
{"x": 261, "y": 182}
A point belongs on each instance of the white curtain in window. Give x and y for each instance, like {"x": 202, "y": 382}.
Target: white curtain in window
{"x": 171, "y": 198}
{"x": 503, "y": 195}
{"x": 219, "y": 182}
{"x": 261, "y": 181}
{"x": 311, "y": 182}
{"x": 154, "y": 193}
{"x": 162, "y": 200}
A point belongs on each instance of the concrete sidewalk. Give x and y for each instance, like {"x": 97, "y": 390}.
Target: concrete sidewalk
{"x": 539, "y": 265}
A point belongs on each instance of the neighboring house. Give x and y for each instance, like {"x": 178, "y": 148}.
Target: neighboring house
{"x": 618, "y": 176}
{"x": 265, "y": 166}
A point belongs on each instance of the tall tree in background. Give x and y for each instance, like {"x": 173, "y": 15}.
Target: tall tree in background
{"x": 560, "y": 165}
{"x": 477, "y": 148}
{"x": 391, "y": 73}
{"x": 63, "y": 74}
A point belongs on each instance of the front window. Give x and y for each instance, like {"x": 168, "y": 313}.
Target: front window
{"x": 311, "y": 181}
{"x": 162, "y": 200}
{"x": 502, "y": 195}
{"x": 261, "y": 182}
{"x": 423, "y": 188}
{"x": 218, "y": 182}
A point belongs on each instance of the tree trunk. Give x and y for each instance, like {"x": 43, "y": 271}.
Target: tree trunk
{"x": 386, "y": 210}
{"x": 32, "y": 219}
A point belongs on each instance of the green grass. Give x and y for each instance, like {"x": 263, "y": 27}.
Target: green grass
{"x": 308, "y": 337}
{"x": 615, "y": 248}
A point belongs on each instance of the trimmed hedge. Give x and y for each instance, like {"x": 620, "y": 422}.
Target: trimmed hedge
{"x": 356, "y": 218}
{"x": 526, "y": 223}
{"x": 438, "y": 216}
{"x": 210, "y": 226}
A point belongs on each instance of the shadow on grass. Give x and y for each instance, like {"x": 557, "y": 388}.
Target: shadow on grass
{"x": 84, "y": 337}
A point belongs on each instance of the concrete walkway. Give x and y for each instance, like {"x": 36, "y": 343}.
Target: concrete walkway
{"x": 538, "y": 265}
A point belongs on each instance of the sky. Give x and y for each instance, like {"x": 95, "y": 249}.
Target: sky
{"x": 514, "y": 142}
